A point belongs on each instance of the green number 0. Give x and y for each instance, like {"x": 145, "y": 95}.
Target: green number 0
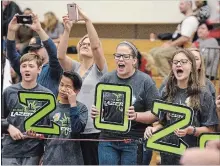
{"x": 204, "y": 137}
{"x": 187, "y": 113}
{"x": 30, "y": 122}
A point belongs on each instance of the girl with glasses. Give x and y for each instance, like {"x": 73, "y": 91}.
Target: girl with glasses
{"x": 183, "y": 87}
{"x": 144, "y": 92}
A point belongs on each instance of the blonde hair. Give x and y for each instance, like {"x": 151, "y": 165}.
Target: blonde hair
{"x": 51, "y": 21}
{"x": 31, "y": 56}
{"x": 201, "y": 71}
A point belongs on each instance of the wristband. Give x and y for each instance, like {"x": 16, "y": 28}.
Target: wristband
{"x": 194, "y": 130}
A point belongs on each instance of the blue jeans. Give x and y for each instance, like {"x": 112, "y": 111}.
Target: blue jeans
{"x": 117, "y": 153}
{"x": 147, "y": 155}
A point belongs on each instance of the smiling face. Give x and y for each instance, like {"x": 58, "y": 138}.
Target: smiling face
{"x": 181, "y": 67}
{"x": 125, "y": 61}
{"x": 85, "y": 48}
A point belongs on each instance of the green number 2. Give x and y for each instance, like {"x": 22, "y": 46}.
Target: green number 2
{"x": 31, "y": 121}
{"x": 153, "y": 142}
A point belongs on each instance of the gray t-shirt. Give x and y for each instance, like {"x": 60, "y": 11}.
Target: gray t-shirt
{"x": 57, "y": 31}
{"x": 205, "y": 116}
{"x": 144, "y": 92}
{"x": 60, "y": 152}
{"x": 16, "y": 114}
{"x": 211, "y": 56}
{"x": 87, "y": 91}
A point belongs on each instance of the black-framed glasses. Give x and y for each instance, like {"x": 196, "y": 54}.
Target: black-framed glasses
{"x": 182, "y": 61}
{"x": 124, "y": 56}
{"x": 84, "y": 44}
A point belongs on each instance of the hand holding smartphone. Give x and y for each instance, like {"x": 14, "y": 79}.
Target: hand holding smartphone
{"x": 73, "y": 12}
{"x": 21, "y": 19}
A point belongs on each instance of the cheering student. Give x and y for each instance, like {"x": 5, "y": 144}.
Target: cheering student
{"x": 71, "y": 116}
{"x": 16, "y": 149}
{"x": 144, "y": 93}
{"x": 91, "y": 68}
{"x": 183, "y": 88}
{"x": 200, "y": 66}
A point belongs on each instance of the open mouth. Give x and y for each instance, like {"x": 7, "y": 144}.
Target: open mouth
{"x": 121, "y": 66}
{"x": 179, "y": 72}
{"x": 27, "y": 75}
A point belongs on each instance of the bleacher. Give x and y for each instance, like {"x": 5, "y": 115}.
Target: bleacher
{"x": 109, "y": 46}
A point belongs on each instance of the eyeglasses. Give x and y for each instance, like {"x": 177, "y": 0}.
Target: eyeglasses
{"x": 84, "y": 44}
{"x": 182, "y": 61}
{"x": 124, "y": 56}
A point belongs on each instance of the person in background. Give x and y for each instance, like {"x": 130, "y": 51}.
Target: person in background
{"x": 182, "y": 37}
{"x": 144, "y": 63}
{"x": 41, "y": 45}
{"x": 27, "y": 11}
{"x": 202, "y": 10}
{"x": 53, "y": 27}
{"x": 211, "y": 56}
{"x": 152, "y": 37}
{"x": 91, "y": 67}
{"x": 10, "y": 8}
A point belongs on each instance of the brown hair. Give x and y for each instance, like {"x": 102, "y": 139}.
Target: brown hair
{"x": 201, "y": 71}
{"x": 30, "y": 57}
{"x": 193, "y": 88}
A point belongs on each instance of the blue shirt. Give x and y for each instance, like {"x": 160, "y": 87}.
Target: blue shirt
{"x": 51, "y": 72}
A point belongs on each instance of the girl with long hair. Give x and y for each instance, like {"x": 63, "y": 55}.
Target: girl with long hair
{"x": 183, "y": 87}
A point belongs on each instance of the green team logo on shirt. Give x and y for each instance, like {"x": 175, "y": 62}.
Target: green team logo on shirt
{"x": 186, "y": 120}
{"x": 49, "y": 106}
{"x": 26, "y": 110}
{"x": 64, "y": 123}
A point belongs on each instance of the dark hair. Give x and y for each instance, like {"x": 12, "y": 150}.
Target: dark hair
{"x": 27, "y": 9}
{"x": 139, "y": 57}
{"x": 209, "y": 26}
{"x": 76, "y": 79}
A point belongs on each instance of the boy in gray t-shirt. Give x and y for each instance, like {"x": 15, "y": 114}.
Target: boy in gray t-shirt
{"x": 16, "y": 150}
{"x": 72, "y": 116}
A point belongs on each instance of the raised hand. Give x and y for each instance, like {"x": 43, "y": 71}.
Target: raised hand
{"x": 36, "y": 26}
{"x": 82, "y": 15}
{"x": 13, "y": 25}
{"x": 67, "y": 23}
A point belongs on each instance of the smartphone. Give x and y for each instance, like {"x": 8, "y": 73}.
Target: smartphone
{"x": 72, "y": 12}
{"x": 21, "y": 19}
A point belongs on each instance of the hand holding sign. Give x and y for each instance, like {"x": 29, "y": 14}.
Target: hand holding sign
{"x": 113, "y": 110}
{"x": 15, "y": 133}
